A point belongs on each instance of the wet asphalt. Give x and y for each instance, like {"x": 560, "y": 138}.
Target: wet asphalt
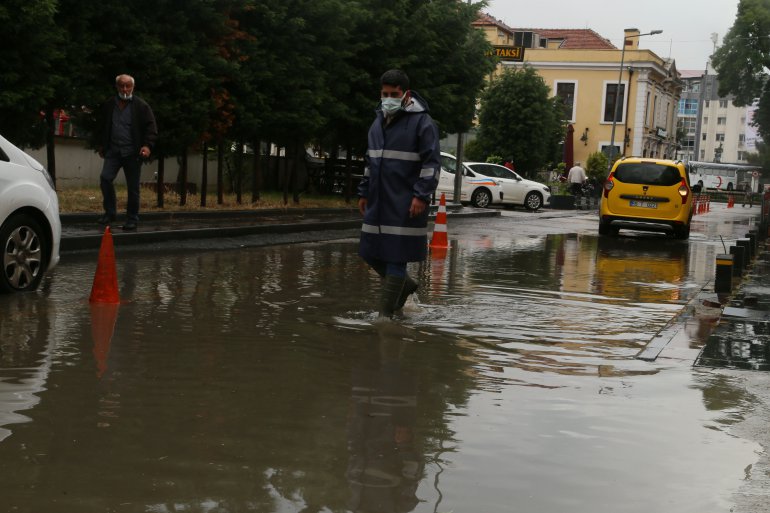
{"x": 741, "y": 338}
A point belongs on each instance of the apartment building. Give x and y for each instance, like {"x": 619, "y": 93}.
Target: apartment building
{"x": 711, "y": 128}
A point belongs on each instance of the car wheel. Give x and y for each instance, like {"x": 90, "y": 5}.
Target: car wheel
{"x": 25, "y": 254}
{"x": 533, "y": 201}
{"x": 481, "y": 198}
{"x": 730, "y": 186}
{"x": 682, "y": 233}
{"x": 606, "y": 229}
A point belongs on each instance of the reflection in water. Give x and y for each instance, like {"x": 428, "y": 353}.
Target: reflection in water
{"x": 25, "y": 356}
{"x": 385, "y": 465}
{"x": 103, "y": 317}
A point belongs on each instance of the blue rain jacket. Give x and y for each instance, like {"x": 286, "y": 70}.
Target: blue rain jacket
{"x": 403, "y": 161}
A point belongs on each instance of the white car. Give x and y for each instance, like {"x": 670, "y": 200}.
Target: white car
{"x": 516, "y": 190}
{"x": 480, "y": 191}
{"x": 30, "y": 230}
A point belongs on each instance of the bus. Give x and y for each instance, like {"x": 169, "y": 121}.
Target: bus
{"x": 723, "y": 177}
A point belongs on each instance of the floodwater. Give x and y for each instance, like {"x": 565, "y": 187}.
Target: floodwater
{"x": 258, "y": 379}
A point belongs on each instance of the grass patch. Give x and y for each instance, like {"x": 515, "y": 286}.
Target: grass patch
{"x": 89, "y": 199}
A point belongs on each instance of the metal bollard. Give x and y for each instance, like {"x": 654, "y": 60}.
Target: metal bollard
{"x": 737, "y": 252}
{"x": 723, "y": 279}
{"x": 752, "y": 236}
{"x": 746, "y": 243}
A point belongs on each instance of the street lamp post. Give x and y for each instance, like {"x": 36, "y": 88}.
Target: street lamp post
{"x": 617, "y": 90}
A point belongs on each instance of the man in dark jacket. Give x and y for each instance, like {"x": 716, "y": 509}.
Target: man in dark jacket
{"x": 402, "y": 172}
{"x": 127, "y": 134}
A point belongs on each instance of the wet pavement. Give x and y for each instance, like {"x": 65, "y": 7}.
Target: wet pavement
{"x": 237, "y": 376}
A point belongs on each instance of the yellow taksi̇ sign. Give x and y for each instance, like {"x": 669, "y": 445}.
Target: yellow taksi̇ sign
{"x": 508, "y": 53}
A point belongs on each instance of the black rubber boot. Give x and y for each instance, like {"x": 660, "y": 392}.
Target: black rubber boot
{"x": 410, "y": 287}
{"x": 379, "y": 269}
{"x": 390, "y": 294}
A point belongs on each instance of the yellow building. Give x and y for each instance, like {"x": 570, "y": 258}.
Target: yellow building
{"x": 584, "y": 69}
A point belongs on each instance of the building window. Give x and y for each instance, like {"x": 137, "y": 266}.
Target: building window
{"x": 566, "y": 93}
{"x": 742, "y": 155}
{"x": 704, "y": 136}
{"x": 722, "y": 104}
{"x": 695, "y": 87}
{"x": 610, "y": 91}
{"x": 606, "y": 149}
{"x": 721, "y": 121}
{"x": 702, "y": 154}
{"x": 720, "y": 137}
{"x": 708, "y": 103}
{"x": 688, "y": 107}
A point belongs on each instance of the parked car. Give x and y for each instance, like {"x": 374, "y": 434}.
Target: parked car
{"x": 30, "y": 230}
{"x": 478, "y": 190}
{"x": 647, "y": 194}
{"x": 516, "y": 190}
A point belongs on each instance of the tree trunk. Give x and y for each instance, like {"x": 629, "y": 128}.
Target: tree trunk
{"x": 256, "y": 174}
{"x": 296, "y": 154}
{"x": 348, "y": 172}
{"x": 220, "y": 171}
{"x": 50, "y": 144}
{"x": 239, "y": 172}
{"x": 161, "y": 172}
{"x": 285, "y": 175}
{"x": 204, "y": 172}
{"x": 183, "y": 179}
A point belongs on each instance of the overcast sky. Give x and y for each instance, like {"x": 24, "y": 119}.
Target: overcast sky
{"x": 687, "y": 25}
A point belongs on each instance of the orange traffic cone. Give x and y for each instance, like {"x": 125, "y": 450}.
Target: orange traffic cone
{"x": 730, "y": 201}
{"x": 439, "y": 239}
{"x": 105, "y": 287}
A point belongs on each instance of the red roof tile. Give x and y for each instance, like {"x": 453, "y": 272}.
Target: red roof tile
{"x": 574, "y": 39}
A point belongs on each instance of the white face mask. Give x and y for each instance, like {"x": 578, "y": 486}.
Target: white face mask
{"x": 391, "y": 105}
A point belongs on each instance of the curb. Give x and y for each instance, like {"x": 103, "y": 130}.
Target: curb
{"x": 92, "y": 242}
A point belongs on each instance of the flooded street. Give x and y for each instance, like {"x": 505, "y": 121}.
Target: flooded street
{"x": 258, "y": 379}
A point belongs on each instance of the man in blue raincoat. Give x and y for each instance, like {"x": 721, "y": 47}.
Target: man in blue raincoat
{"x": 402, "y": 172}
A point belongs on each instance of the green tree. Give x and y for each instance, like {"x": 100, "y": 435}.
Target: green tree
{"x": 743, "y": 60}
{"x": 30, "y": 44}
{"x": 596, "y": 165}
{"x": 518, "y": 118}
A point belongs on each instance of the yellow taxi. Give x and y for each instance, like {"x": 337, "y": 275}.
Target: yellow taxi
{"x": 647, "y": 194}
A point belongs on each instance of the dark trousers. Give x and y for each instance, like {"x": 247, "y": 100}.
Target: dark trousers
{"x": 383, "y": 268}
{"x": 576, "y": 188}
{"x": 131, "y": 168}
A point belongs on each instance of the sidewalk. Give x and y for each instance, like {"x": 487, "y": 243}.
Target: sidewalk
{"x": 82, "y": 232}
{"x": 741, "y": 339}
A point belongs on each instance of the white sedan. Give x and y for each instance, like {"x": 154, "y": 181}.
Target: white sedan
{"x": 516, "y": 190}
{"x": 30, "y": 230}
{"x": 480, "y": 191}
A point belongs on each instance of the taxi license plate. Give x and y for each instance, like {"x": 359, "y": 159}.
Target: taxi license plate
{"x": 644, "y": 204}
